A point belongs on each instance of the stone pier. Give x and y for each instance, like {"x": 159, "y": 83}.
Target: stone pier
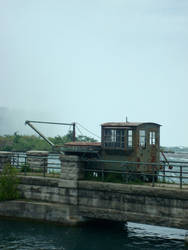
{"x": 37, "y": 160}
{"x": 5, "y": 159}
{"x": 71, "y": 173}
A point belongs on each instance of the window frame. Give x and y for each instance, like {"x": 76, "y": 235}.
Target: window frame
{"x": 129, "y": 138}
{"x": 142, "y": 138}
{"x": 114, "y": 138}
{"x": 152, "y": 138}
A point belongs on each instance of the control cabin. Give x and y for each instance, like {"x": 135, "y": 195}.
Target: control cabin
{"x": 126, "y": 142}
{"x": 137, "y": 142}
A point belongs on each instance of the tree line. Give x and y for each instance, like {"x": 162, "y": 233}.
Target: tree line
{"x": 24, "y": 143}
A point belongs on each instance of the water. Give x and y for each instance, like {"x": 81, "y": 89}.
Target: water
{"x": 33, "y": 235}
{"x": 173, "y": 173}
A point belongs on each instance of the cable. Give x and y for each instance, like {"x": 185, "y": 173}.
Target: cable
{"x": 80, "y": 131}
{"x": 88, "y": 130}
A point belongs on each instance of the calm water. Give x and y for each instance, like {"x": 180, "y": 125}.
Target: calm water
{"x": 33, "y": 235}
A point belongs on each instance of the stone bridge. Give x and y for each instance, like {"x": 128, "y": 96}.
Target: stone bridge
{"x": 72, "y": 200}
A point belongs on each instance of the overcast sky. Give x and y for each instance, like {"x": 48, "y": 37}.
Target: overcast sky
{"x": 95, "y": 61}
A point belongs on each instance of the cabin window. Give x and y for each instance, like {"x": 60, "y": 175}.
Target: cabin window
{"x": 142, "y": 138}
{"x": 152, "y": 138}
{"x": 130, "y": 138}
{"x": 114, "y": 138}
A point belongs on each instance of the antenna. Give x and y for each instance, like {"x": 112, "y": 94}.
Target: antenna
{"x": 126, "y": 119}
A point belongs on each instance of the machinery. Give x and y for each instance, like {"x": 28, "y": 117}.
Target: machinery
{"x": 122, "y": 144}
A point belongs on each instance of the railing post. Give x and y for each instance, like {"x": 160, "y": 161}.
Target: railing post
{"x": 181, "y": 177}
{"x": 153, "y": 176}
{"x": 25, "y": 168}
{"x": 103, "y": 175}
{"x": 164, "y": 175}
{"x": 44, "y": 167}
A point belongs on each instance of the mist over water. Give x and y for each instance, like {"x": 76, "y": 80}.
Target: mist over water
{"x": 13, "y": 120}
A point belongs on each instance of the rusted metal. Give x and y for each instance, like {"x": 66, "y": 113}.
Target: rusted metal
{"x": 125, "y": 141}
{"x": 53, "y": 123}
{"x": 74, "y": 131}
{"x": 126, "y": 124}
{"x": 39, "y": 133}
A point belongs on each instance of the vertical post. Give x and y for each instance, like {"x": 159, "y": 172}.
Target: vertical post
{"x": 164, "y": 165}
{"x": 44, "y": 168}
{"x": 102, "y": 174}
{"x": 25, "y": 168}
{"x": 180, "y": 177}
{"x": 153, "y": 177}
{"x": 74, "y": 131}
{"x": 18, "y": 160}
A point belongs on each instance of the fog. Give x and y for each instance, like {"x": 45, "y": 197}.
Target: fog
{"x": 93, "y": 62}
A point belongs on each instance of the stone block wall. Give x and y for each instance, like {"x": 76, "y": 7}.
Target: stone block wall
{"x": 37, "y": 160}
{"x": 62, "y": 191}
{"x": 75, "y": 199}
{"x": 134, "y": 203}
{"x": 5, "y": 159}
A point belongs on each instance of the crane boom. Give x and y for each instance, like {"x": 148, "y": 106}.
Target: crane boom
{"x": 38, "y": 132}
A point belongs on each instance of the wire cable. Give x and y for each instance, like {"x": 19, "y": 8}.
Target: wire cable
{"x": 88, "y": 130}
{"x": 80, "y": 131}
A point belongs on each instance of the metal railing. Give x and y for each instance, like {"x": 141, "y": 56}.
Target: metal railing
{"x": 41, "y": 166}
{"x": 155, "y": 174}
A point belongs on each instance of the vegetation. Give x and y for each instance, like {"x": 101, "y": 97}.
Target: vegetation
{"x": 22, "y": 143}
{"x": 113, "y": 177}
{"x": 8, "y": 184}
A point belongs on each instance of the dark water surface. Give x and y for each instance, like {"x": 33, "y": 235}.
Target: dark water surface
{"x": 35, "y": 235}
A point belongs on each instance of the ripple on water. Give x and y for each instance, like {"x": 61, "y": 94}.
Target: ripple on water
{"x": 30, "y": 235}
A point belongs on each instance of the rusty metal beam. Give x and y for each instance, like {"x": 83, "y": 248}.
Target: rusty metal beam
{"x": 39, "y": 133}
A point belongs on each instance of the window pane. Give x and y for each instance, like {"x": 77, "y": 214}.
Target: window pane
{"x": 130, "y": 139}
{"x": 152, "y": 137}
{"x": 142, "y": 138}
{"x": 114, "y": 138}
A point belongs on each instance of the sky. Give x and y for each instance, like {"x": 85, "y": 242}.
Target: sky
{"x": 93, "y": 62}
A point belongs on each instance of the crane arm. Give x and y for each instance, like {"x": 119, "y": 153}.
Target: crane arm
{"x": 39, "y": 133}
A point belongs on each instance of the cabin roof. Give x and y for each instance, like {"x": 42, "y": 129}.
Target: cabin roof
{"x": 126, "y": 124}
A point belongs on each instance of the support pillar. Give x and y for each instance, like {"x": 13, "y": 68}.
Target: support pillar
{"x": 5, "y": 159}
{"x": 71, "y": 173}
{"x": 37, "y": 160}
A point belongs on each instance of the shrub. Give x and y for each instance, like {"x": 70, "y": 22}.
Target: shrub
{"x": 25, "y": 168}
{"x": 8, "y": 183}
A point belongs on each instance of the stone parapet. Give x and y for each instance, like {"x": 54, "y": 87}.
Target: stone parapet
{"x": 5, "y": 159}
{"x": 37, "y": 160}
{"x": 71, "y": 167}
{"x": 71, "y": 173}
